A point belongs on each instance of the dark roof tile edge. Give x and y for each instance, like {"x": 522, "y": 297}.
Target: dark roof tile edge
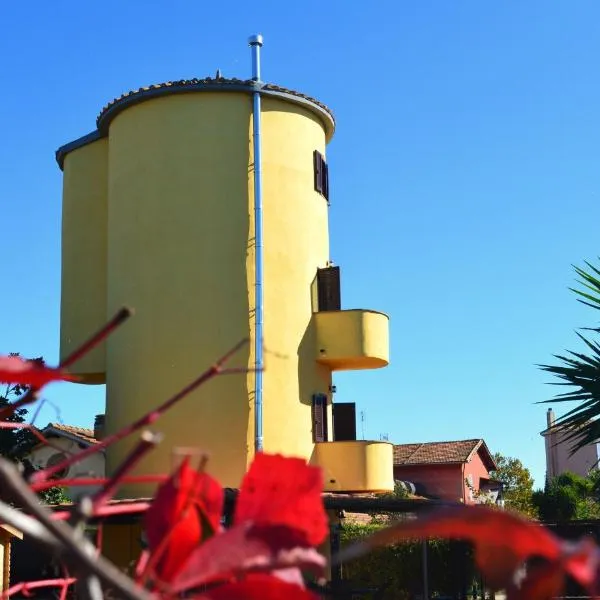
{"x": 114, "y": 107}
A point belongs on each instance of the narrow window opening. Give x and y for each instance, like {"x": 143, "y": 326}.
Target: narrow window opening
{"x": 319, "y": 417}
{"x": 321, "y": 171}
{"x": 328, "y": 289}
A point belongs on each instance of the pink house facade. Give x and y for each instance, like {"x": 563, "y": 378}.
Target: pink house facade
{"x": 457, "y": 471}
{"x": 558, "y": 451}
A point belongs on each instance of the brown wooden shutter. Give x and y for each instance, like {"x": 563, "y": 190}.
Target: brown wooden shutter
{"x": 319, "y": 417}
{"x": 328, "y": 284}
{"x": 344, "y": 421}
{"x": 318, "y": 168}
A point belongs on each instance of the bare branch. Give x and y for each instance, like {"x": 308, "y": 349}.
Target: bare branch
{"x": 98, "y": 337}
{"x": 147, "y": 442}
{"x": 30, "y": 527}
{"x": 28, "y": 586}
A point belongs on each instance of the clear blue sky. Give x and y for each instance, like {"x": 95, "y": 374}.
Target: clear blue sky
{"x": 465, "y": 175}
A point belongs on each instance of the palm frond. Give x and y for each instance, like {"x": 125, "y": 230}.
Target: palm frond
{"x": 590, "y": 282}
{"x": 581, "y": 371}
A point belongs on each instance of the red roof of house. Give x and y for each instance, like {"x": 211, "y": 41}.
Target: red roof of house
{"x": 442, "y": 453}
{"x": 84, "y": 434}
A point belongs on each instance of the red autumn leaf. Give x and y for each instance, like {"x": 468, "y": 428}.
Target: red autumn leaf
{"x": 582, "y": 562}
{"x": 543, "y": 582}
{"x": 187, "y": 508}
{"x": 245, "y": 548}
{"x": 14, "y": 369}
{"x": 284, "y": 491}
{"x": 502, "y": 540}
{"x": 258, "y": 587}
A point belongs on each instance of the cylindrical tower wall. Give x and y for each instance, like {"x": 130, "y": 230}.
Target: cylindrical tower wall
{"x": 178, "y": 235}
{"x": 296, "y": 243}
{"x": 83, "y": 280}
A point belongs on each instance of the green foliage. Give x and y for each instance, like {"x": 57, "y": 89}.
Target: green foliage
{"x": 55, "y": 495}
{"x": 401, "y": 568}
{"x": 581, "y": 371}
{"x": 518, "y": 484}
{"x": 568, "y": 497}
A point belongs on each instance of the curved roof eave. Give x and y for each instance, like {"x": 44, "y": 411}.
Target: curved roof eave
{"x": 113, "y": 108}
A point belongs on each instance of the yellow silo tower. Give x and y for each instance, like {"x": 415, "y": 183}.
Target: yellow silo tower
{"x": 203, "y": 204}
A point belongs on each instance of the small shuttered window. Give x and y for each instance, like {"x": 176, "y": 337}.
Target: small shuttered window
{"x": 321, "y": 175}
{"x": 319, "y": 418}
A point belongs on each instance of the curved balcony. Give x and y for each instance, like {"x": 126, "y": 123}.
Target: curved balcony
{"x": 356, "y": 466}
{"x": 352, "y": 339}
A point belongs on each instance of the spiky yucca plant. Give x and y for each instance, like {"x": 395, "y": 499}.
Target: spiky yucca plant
{"x": 581, "y": 372}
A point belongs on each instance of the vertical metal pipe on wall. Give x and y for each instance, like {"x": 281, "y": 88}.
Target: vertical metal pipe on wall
{"x": 256, "y": 42}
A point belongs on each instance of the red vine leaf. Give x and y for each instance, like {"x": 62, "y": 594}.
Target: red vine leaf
{"x": 286, "y": 492}
{"x": 245, "y": 548}
{"x": 258, "y": 587}
{"x": 502, "y": 540}
{"x": 187, "y": 509}
{"x": 17, "y": 370}
{"x": 543, "y": 582}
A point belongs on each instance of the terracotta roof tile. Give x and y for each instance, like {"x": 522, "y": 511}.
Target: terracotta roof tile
{"x": 435, "y": 452}
{"x": 86, "y": 435}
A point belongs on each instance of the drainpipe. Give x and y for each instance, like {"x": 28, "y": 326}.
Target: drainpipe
{"x": 256, "y": 41}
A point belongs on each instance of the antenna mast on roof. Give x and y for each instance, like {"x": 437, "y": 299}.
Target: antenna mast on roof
{"x": 362, "y": 423}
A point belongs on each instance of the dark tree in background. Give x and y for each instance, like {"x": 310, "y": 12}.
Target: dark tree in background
{"x": 569, "y": 497}
{"x": 517, "y": 484}
{"x": 580, "y": 371}
{"x": 16, "y": 443}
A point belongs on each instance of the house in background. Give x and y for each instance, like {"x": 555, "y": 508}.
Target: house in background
{"x": 457, "y": 471}
{"x": 558, "y": 451}
{"x": 67, "y": 440}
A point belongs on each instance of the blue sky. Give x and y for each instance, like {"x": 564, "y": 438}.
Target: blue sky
{"x": 464, "y": 174}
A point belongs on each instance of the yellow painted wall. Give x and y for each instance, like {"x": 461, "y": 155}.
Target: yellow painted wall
{"x": 296, "y": 243}
{"x": 83, "y": 294}
{"x": 178, "y": 237}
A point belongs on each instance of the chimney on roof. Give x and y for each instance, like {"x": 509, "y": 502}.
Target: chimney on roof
{"x": 99, "y": 426}
{"x": 550, "y": 418}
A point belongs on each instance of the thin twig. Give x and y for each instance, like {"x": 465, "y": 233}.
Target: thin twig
{"x": 27, "y": 586}
{"x": 146, "y": 420}
{"x": 33, "y": 393}
{"x": 94, "y": 481}
{"x": 132, "y": 508}
{"x": 98, "y": 337}
{"x": 148, "y": 442}
{"x": 36, "y": 433}
{"x": 76, "y": 549}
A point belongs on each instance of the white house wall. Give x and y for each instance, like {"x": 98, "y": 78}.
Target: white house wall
{"x": 91, "y": 466}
